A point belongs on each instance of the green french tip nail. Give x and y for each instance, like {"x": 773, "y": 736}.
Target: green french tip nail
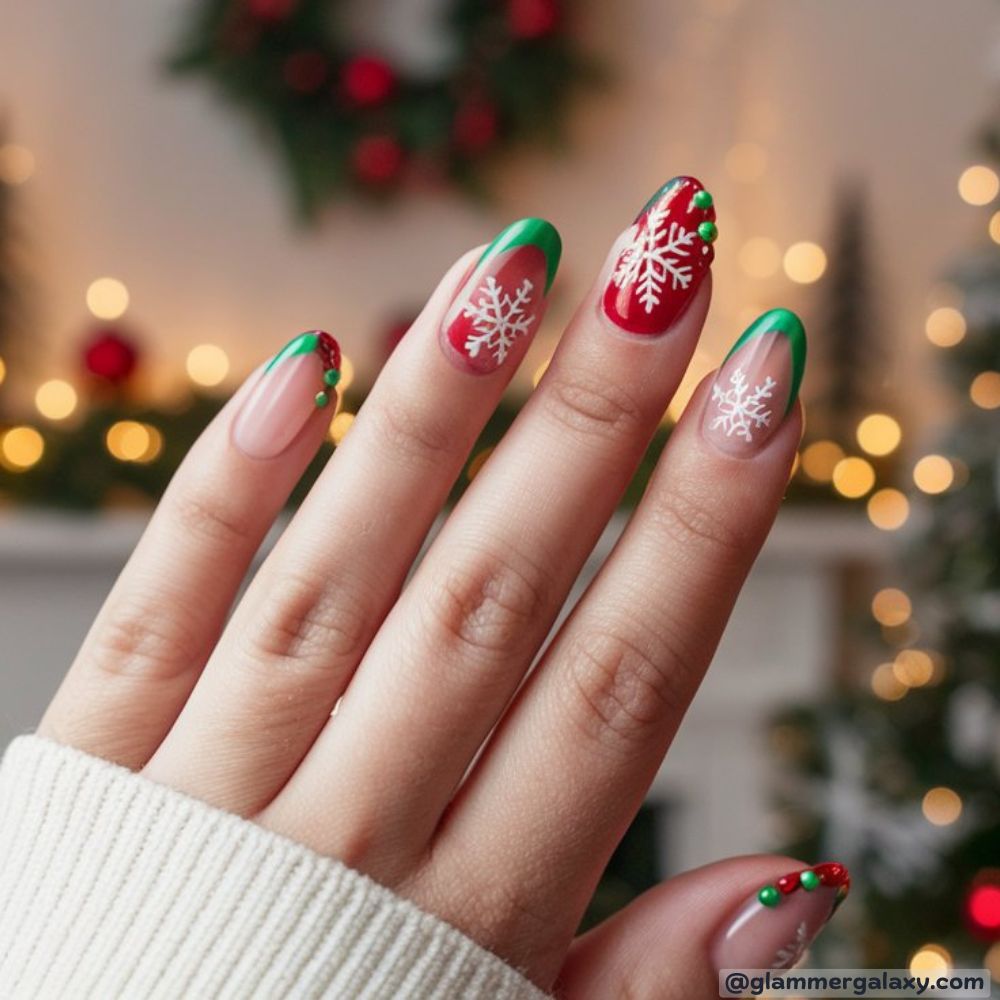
{"x": 304, "y": 343}
{"x": 782, "y": 321}
{"x": 530, "y": 232}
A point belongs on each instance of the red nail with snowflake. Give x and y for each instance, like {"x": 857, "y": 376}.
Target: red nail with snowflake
{"x": 498, "y": 308}
{"x": 757, "y": 385}
{"x": 666, "y": 255}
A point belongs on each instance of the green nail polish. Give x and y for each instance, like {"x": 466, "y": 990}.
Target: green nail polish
{"x": 304, "y": 343}
{"x": 530, "y": 232}
{"x": 782, "y": 321}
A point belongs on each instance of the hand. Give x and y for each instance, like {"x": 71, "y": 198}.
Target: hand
{"x": 489, "y": 799}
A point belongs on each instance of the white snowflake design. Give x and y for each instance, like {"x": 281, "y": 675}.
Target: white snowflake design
{"x": 653, "y": 256}
{"x": 740, "y": 411}
{"x": 787, "y": 956}
{"x": 498, "y": 318}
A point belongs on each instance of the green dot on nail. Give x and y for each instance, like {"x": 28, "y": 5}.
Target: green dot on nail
{"x": 321, "y": 399}
{"x": 703, "y": 199}
{"x": 809, "y": 880}
{"x": 331, "y": 377}
{"x": 769, "y": 895}
{"x": 708, "y": 231}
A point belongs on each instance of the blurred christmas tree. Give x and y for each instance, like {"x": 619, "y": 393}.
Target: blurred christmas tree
{"x": 900, "y": 780}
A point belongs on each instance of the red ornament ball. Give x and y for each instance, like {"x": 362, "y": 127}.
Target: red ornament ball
{"x": 475, "y": 126}
{"x": 532, "y": 18}
{"x": 271, "y": 10}
{"x": 377, "y": 159}
{"x": 367, "y": 80}
{"x": 982, "y": 907}
{"x": 110, "y": 356}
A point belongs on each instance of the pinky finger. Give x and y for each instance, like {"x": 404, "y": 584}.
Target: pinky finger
{"x": 163, "y": 616}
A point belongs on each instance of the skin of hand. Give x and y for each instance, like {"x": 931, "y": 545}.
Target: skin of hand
{"x": 473, "y": 763}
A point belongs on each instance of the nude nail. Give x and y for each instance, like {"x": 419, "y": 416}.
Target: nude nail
{"x": 757, "y": 384}
{"x": 299, "y": 378}
{"x": 773, "y": 929}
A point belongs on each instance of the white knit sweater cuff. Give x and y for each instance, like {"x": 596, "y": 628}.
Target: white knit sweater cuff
{"x": 113, "y": 886}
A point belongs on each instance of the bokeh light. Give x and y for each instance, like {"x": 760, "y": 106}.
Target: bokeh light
{"x": 933, "y": 474}
{"x": 945, "y": 326}
{"x": 17, "y": 164}
{"x": 853, "y": 477}
{"x": 888, "y": 509}
{"x": 132, "y": 441}
{"x": 208, "y": 365}
{"x": 536, "y": 376}
{"x": 55, "y": 399}
{"x": 20, "y": 448}
{"x": 941, "y": 806}
{"x": 994, "y": 227}
{"x": 886, "y": 685}
{"x": 478, "y": 461}
{"x": 892, "y": 607}
{"x": 107, "y": 298}
{"x": 978, "y": 184}
{"x": 3, "y": 370}
{"x": 985, "y": 390}
{"x": 805, "y": 262}
{"x": 820, "y": 459}
{"x": 913, "y": 667}
{"x": 929, "y": 959}
{"x": 346, "y": 373}
{"x": 760, "y": 257}
{"x": 340, "y": 425}
{"x": 879, "y": 434}
{"x": 991, "y": 961}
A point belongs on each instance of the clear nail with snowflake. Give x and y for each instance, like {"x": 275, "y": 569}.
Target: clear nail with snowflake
{"x": 662, "y": 259}
{"x": 757, "y": 384}
{"x": 498, "y": 308}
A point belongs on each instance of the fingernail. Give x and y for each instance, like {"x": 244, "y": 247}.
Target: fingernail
{"x": 499, "y": 307}
{"x": 666, "y": 256}
{"x": 301, "y": 377}
{"x": 757, "y": 384}
{"x": 775, "y": 926}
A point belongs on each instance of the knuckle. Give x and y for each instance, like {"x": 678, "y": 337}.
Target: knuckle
{"x": 486, "y": 605}
{"x": 621, "y": 689}
{"x": 592, "y": 405}
{"x": 415, "y": 435}
{"x": 690, "y": 519}
{"x": 205, "y": 516}
{"x": 308, "y": 622}
{"x": 144, "y": 635}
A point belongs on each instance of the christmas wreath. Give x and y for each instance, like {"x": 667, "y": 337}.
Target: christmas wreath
{"x": 348, "y": 120}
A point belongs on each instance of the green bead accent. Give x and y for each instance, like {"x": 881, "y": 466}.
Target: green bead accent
{"x": 769, "y": 896}
{"x": 809, "y": 881}
{"x": 331, "y": 377}
{"x": 703, "y": 199}
{"x": 708, "y": 231}
{"x": 322, "y": 399}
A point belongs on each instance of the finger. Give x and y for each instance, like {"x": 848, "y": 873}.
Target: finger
{"x": 306, "y": 620}
{"x": 588, "y": 732}
{"x": 462, "y": 636}
{"x": 674, "y": 939}
{"x": 149, "y": 642}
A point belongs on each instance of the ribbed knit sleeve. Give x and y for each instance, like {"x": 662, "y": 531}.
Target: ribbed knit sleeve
{"x": 114, "y": 886}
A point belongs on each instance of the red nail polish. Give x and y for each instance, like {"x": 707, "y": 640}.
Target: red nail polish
{"x": 668, "y": 253}
{"x": 498, "y": 308}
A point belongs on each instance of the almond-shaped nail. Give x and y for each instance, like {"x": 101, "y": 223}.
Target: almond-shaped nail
{"x": 757, "y": 384}
{"x": 773, "y": 928}
{"x": 664, "y": 258}
{"x": 302, "y": 376}
{"x": 500, "y": 305}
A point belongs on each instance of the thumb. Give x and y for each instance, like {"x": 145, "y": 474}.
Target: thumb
{"x": 743, "y": 913}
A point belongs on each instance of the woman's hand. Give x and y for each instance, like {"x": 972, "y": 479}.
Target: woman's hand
{"x": 489, "y": 799}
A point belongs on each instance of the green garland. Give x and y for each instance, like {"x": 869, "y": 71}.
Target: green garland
{"x": 350, "y": 122}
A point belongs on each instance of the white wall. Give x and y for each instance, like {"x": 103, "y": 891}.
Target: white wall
{"x": 156, "y": 182}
